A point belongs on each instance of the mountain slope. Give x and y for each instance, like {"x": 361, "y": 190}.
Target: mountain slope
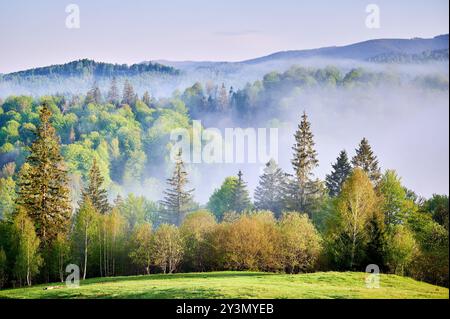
{"x": 362, "y": 51}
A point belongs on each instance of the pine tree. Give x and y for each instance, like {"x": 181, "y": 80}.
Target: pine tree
{"x": 367, "y": 161}
{"x": 270, "y": 193}
{"x": 113, "y": 93}
{"x": 341, "y": 170}
{"x": 94, "y": 191}
{"x": 177, "y": 199}
{"x": 240, "y": 198}
{"x": 305, "y": 160}
{"x": 43, "y": 184}
{"x": 129, "y": 96}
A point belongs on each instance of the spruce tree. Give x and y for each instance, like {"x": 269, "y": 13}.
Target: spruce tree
{"x": 129, "y": 97}
{"x": 94, "y": 95}
{"x": 43, "y": 183}
{"x": 113, "y": 93}
{"x": 305, "y": 187}
{"x": 341, "y": 170}
{"x": 240, "y": 197}
{"x": 270, "y": 192}
{"x": 177, "y": 200}
{"x": 367, "y": 161}
{"x": 147, "y": 99}
{"x": 94, "y": 191}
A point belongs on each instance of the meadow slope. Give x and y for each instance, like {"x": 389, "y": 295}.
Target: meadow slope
{"x": 237, "y": 285}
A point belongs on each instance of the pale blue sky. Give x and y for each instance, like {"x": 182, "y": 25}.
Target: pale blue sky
{"x": 33, "y": 33}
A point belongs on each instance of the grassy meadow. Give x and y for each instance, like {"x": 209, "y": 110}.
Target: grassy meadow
{"x": 348, "y": 285}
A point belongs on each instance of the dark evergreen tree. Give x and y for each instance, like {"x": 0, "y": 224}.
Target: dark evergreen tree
{"x": 375, "y": 250}
{"x": 367, "y": 161}
{"x": 43, "y": 183}
{"x": 305, "y": 187}
{"x": 177, "y": 199}
{"x": 97, "y": 195}
{"x": 270, "y": 193}
{"x": 240, "y": 197}
{"x": 341, "y": 170}
{"x": 113, "y": 93}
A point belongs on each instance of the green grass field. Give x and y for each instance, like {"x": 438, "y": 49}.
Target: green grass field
{"x": 237, "y": 285}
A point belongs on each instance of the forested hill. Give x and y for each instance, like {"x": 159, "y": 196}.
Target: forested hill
{"x": 87, "y": 67}
{"x": 363, "y": 51}
{"x": 77, "y": 77}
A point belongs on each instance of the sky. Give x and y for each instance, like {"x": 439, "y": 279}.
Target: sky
{"x": 34, "y": 33}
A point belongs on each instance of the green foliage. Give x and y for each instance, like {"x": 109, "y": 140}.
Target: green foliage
{"x": 141, "y": 247}
{"x": 437, "y": 206}
{"x": 167, "y": 248}
{"x": 395, "y": 205}
{"x": 7, "y": 197}
{"x": 28, "y": 259}
{"x": 43, "y": 184}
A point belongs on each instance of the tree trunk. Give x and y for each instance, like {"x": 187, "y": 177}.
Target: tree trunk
{"x": 85, "y": 253}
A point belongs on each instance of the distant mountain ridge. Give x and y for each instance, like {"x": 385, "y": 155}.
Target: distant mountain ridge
{"x": 363, "y": 51}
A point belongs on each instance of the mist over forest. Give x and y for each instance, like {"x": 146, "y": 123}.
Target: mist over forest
{"x": 392, "y": 92}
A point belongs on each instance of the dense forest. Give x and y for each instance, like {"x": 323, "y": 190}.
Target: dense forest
{"x": 70, "y": 164}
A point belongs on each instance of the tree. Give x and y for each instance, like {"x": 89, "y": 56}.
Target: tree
{"x": 437, "y": 206}
{"x": 94, "y": 95}
{"x": 167, "y": 248}
{"x": 341, "y": 170}
{"x": 61, "y": 251}
{"x": 377, "y": 240}
{"x": 113, "y": 93}
{"x": 97, "y": 195}
{"x": 270, "y": 192}
{"x": 221, "y": 200}
{"x": 300, "y": 243}
{"x": 3, "y": 267}
{"x": 141, "y": 246}
{"x": 194, "y": 230}
{"x": 28, "y": 259}
{"x": 7, "y": 197}
{"x": 240, "y": 197}
{"x": 402, "y": 248}
{"x": 251, "y": 243}
{"x": 43, "y": 183}
{"x": 304, "y": 161}
{"x": 129, "y": 97}
{"x": 177, "y": 199}
{"x": 367, "y": 161}
{"x": 147, "y": 99}
{"x": 355, "y": 206}
{"x": 85, "y": 228}
{"x": 223, "y": 99}
{"x": 394, "y": 205}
